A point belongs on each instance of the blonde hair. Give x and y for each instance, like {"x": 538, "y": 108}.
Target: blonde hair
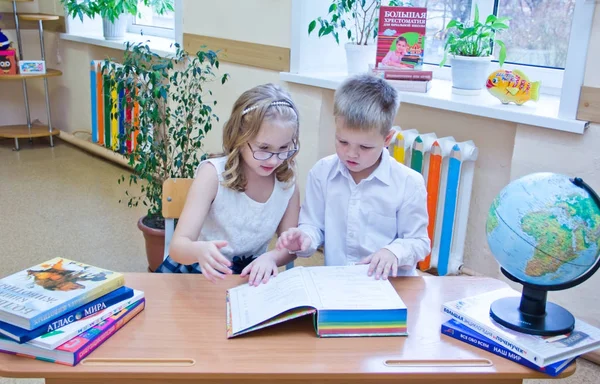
{"x": 366, "y": 102}
{"x": 264, "y": 102}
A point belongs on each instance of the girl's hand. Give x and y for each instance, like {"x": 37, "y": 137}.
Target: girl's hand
{"x": 293, "y": 240}
{"x": 213, "y": 264}
{"x": 261, "y": 269}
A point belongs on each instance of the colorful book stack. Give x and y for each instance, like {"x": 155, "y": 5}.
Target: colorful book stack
{"x": 471, "y": 323}
{"x": 61, "y": 310}
{"x": 401, "y": 48}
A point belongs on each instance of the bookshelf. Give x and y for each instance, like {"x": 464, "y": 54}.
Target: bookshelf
{"x": 28, "y": 130}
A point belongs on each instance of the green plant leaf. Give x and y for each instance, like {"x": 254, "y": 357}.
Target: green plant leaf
{"x": 332, "y": 8}
{"x": 476, "y": 17}
{"x": 502, "y": 53}
{"x": 312, "y": 26}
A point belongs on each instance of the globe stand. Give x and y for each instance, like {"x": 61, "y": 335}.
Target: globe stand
{"x": 532, "y": 313}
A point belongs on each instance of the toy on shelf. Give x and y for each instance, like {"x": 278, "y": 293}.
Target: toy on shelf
{"x": 5, "y": 43}
{"x": 512, "y": 86}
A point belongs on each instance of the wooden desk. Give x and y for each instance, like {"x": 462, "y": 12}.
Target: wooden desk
{"x": 180, "y": 336}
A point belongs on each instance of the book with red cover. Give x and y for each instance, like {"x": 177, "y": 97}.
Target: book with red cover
{"x": 401, "y": 37}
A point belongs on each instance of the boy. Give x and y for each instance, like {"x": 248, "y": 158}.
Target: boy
{"x": 364, "y": 206}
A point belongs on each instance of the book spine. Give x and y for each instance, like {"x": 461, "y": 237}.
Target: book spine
{"x": 409, "y": 85}
{"x": 418, "y": 76}
{"x": 21, "y": 335}
{"x": 496, "y": 349}
{"x": 93, "y": 294}
{"x": 485, "y": 331}
{"x": 117, "y": 324}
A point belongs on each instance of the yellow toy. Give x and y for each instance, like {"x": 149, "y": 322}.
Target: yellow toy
{"x": 512, "y": 86}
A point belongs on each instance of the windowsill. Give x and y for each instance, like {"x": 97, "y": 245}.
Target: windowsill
{"x": 543, "y": 113}
{"x": 160, "y": 45}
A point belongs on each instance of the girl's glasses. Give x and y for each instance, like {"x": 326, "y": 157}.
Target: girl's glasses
{"x": 266, "y": 155}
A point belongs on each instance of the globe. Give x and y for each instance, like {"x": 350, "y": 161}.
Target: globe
{"x": 544, "y": 231}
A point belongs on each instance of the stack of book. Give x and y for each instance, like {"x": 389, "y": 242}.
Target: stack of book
{"x": 471, "y": 323}
{"x": 61, "y": 310}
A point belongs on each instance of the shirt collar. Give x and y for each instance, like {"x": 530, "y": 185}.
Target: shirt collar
{"x": 381, "y": 173}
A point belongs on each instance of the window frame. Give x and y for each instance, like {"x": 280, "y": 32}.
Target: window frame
{"x": 564, "y": 82}
{"x": 148, "y": 30}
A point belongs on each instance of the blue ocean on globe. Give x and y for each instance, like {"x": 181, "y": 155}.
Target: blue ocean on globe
{"x": 544, "y": 230}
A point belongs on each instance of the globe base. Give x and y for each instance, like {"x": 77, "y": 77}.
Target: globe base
{"x": 555, "y": 321}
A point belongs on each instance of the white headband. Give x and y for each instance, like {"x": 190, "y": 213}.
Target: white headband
{"x": 276, "y": 103}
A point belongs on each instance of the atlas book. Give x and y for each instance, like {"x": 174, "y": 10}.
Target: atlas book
{"x": 401, "y": 38}
{"x": 22, "y": 335}
{"x": 474, "y": 313}
{"x": 60, "y": 336}
{"x": 458, "y": 331}
{"x": 34, "y": 296}
{"x": 79, "y": 347}
{"x": 344, "y": 301}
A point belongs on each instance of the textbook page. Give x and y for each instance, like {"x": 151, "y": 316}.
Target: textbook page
{"x": 252, "y": 305}
{"x": 349, "y": 287}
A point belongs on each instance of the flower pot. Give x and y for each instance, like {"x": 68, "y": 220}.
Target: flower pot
{"x": 116, "y": 30}
{"x": 155, "y": 244}
{"x": 358, "y": 57}
{"x": 469, "y": 74}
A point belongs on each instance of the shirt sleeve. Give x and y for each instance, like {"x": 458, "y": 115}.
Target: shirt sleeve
{"x": 412, "y": 243}
{"x": 312, "y": 212}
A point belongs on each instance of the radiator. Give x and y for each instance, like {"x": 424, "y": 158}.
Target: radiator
{"x": 447, "y": 167}
{"x": 111, "y": 117}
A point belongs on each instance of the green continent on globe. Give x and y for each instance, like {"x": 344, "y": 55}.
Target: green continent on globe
{"x": 492, "y": 221}
{"x": 554, "y": 241}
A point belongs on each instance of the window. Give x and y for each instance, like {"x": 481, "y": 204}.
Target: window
{"x": 151, "y": 23}
{"x": 538, "y": 34}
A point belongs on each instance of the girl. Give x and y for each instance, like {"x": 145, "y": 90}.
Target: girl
{"x": 239, "y": 200}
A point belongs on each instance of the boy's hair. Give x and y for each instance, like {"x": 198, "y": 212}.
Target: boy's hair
{"x": 366, "y": 102}
{"x": 263, "y": 102}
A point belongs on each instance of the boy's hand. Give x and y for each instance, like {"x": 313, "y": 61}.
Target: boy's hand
{"x": 214, "y": 265}
{"x": 261, "y": 269}
{"x": 293, "y": 240}
{"x": 383, "y": 263}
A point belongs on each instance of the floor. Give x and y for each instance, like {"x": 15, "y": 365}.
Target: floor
{"x": 62, "y": 201}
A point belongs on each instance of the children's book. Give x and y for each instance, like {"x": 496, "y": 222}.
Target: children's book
{"x": 60, "y": 336}
{"x": 22, "y": 335}
{"x": 37, "y": 295}
{"x": 463, "y": 333}
{"x": 401, "y": 37}
{"x": 76, "y": 349}
{"x": 344, "y": 301}
{"x": 474, "y": 312}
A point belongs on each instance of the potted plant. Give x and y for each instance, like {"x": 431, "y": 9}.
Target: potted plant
{"x": 360, "y": 20}
{"x": 470, "y": 46}
{"x": 114, "y": 13}
{"x": 175, "y": 113}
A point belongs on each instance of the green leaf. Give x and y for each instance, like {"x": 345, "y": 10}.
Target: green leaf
{"x": 312, "y": 26}
{"x": 476, "y": 18}
{"x": 502, "y": 53}
{"x": 333, "y": 7}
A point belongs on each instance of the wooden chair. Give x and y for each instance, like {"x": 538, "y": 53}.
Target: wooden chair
{"x": 175, "y": 192}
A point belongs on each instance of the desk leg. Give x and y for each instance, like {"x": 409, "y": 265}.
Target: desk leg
{"x": 276, "y": 381}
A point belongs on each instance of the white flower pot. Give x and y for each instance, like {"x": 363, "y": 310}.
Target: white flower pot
{"x": 469, "y": 74}
{"x": 358, "y": 57}
{"x": 116, "y": 30}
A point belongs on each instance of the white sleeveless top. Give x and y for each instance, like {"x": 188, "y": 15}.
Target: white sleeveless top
{"x": 247, "y": 225}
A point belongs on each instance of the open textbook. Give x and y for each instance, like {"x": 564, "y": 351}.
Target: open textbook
{"x": 344, "y": 301}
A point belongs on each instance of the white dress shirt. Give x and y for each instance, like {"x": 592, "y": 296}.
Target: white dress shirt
{"x": 388, "y": 209}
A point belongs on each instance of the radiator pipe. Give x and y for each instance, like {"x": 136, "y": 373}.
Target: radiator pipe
{"x": 94, "y": 149}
